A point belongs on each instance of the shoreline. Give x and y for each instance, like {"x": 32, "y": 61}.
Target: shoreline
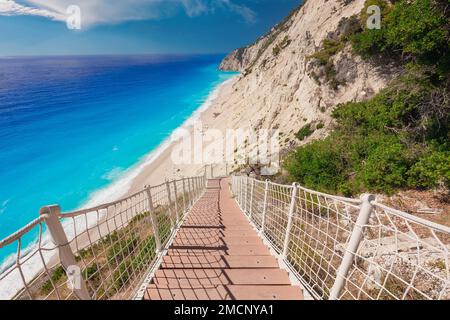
{"x": 152, "y": 168}
{"x": 162, "y": 168}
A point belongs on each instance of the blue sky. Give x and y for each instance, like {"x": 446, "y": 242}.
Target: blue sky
{"x": 38, "y": 27}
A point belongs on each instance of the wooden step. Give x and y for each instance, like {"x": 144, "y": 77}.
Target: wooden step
{"x": 237, "y": 250}
{"x": 217, "y": 261}
{"x": 198, "y": 232}
{"x": 216, "y": 241}
{"x": 213, "y": 277}
{"x": 232, "y": 292}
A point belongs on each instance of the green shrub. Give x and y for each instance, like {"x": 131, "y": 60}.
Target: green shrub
{"x": 56, "y": 275}
{"x": 430, "y": 170}
{"x": 121, "y": 249}
{"x": 317, "y": 165}
{"x": 122, "y": 274}
{"x": 133, "y": 264}
{"x": 91, "y": 271}
{"x": 371, "y": 41}
{"x": 349, "y": 26}
{"x": 385, "y": 168}
{"x": 276, "y": 50}
{"x": 145, "y": 255}
{"x": 139, "y": 217}
{"x": 280, "y": 46}
{"x": 164, "y": 226}
{"x": 85, "y": 253}
{"x": 399, "y": 109}
{"x": 380, "y": 145}
{"x": 329, "y": 48}
{"x": 111, "y": 238}
{"x": 304, "y": 132}
{"x": 417, "y": 30}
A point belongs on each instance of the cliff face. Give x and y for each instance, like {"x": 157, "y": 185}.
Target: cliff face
{"x": 281, "y": 86}
{"x": 241, "y": 58}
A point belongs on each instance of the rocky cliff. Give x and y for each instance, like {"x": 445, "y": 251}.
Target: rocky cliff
{"x": 241, "y": 58}
{"x": 283, "y": 86}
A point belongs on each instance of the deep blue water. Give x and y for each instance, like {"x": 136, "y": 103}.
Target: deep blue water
{"x": 71, "y": 125}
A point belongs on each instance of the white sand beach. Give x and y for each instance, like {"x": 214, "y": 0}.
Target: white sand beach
{"x": 162, "y": 167}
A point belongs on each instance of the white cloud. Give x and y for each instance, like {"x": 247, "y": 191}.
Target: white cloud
{"x": 195, "y": 7}
{"x": 11, "y": 8}
{"x": 94, "y": 12}
{"x": 248, "y": 14}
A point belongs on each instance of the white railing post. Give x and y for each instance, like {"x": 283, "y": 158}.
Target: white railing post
{"x": 251, "y": 198}
{"x": 353, "y": 245}
{"x": 51, "y": 215}
{"x": 266, "y": 192}
{"x": 241, "y": 184}
{"x": 238, "y": 189}
{"x": 169, "y": 204}
{"x": 194, "y": 182}
{"x": 184, "y": 196}
{"x": 246, "y": 195}
{"x": 153, "y": 219}
{"x": 290, "y": 218}
{"x": 233, "y": 185}
{"x": 194, "y": 188}
{"x": 197, "y": 186}
{"x": 212, "y": 171}
{"x": 190, "y": 192}
{"x": 176, "y": 200}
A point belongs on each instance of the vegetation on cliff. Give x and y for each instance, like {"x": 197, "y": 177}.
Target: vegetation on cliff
{"x": 400, "y": 138}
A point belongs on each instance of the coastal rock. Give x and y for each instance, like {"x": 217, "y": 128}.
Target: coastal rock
{"x": 281, "y": 87}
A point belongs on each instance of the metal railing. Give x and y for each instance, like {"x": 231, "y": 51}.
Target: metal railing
{"x": 214, "y": 171}
{"x": 98, "y": 253}
{"x": 341, "y": 248}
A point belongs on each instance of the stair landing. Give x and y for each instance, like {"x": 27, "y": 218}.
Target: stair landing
{"x": 217, "y": 255}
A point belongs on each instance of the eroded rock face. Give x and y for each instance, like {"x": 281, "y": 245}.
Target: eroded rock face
{"x": 235, "y": 60}
{"x": 280, "y": 86}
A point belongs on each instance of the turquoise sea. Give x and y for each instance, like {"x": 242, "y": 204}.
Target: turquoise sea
{"x": 71, "y": 126}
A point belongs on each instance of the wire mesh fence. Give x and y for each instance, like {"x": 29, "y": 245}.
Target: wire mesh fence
{"x": 98, "y": 253}
{"x": 341, "y": 248}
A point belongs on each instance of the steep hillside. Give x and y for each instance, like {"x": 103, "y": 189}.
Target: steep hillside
{"x": 241, "y": 58}
{"x": 367, "y": 108}
{"x": 282, "y": 86}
